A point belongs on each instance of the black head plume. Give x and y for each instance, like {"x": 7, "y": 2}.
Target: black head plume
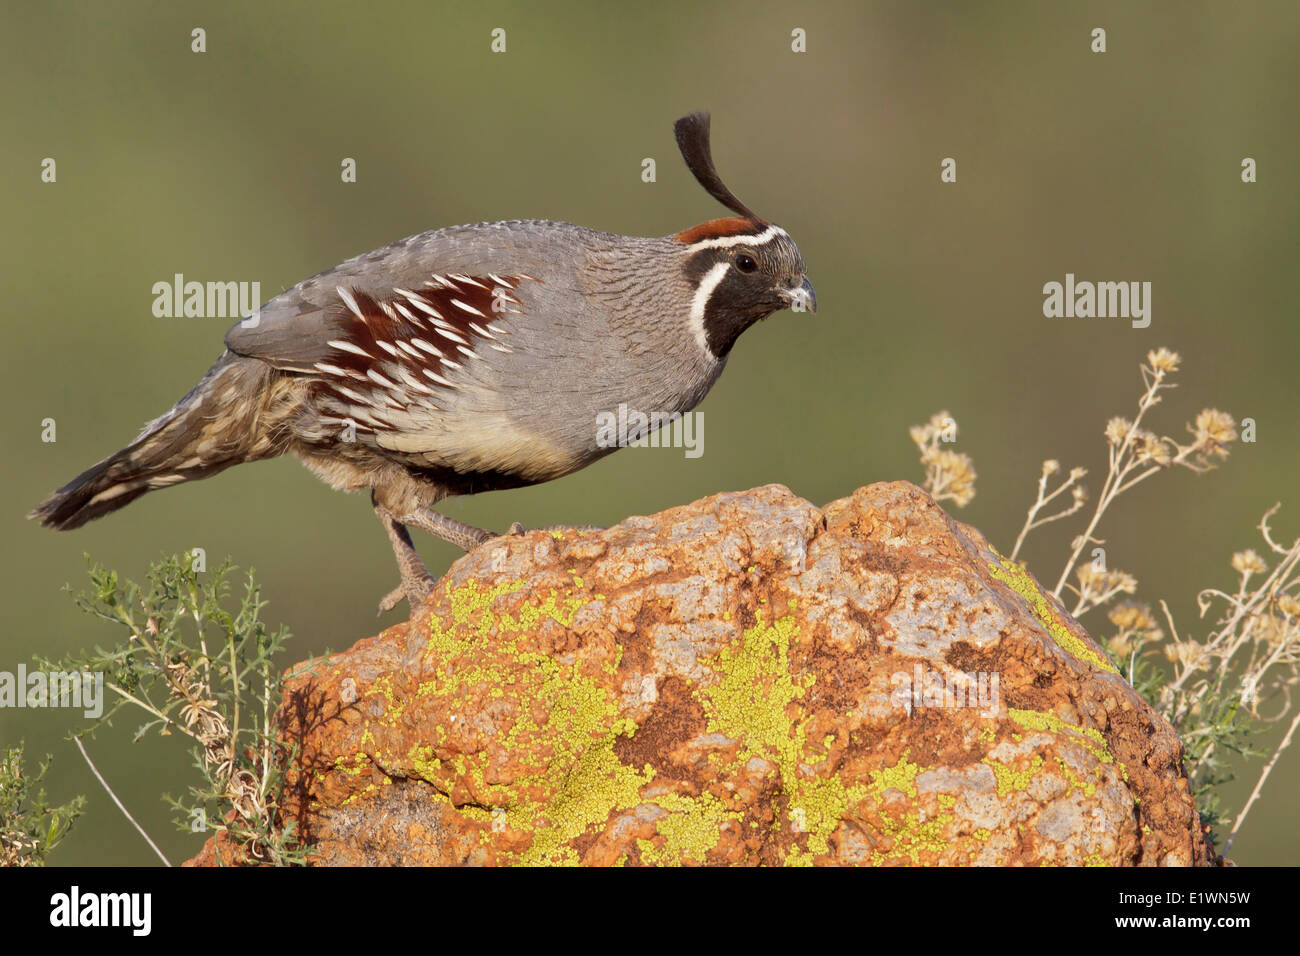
{"x": 693, "y": 140}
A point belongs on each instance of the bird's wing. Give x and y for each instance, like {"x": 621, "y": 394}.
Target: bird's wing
{"x": 406, "y": 347}
{"x": 426, "y": 298}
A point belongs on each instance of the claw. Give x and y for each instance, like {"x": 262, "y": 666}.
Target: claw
{"x": 413, "y": 593}
{"x": 390, "y": 600}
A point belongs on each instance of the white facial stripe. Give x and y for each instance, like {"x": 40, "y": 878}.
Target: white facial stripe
{"x": 701, "y": 302}
{"x": 726, "y": 242}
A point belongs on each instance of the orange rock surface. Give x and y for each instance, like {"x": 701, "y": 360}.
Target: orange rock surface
{"x": 747, "y": 679}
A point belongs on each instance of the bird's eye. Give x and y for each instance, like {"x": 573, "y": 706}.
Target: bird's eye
{"x": 746, "y": 264}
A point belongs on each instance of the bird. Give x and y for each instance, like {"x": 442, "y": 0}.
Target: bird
{"x": 465, "y": 359}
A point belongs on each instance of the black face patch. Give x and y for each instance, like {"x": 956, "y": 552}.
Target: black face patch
{"x": 749, "y": 290}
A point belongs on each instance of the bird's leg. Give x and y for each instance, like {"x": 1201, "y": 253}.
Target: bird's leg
{"x": 467, "y": 537}
{"x": 416, "y": 579}
{"x": 464, "y": 536}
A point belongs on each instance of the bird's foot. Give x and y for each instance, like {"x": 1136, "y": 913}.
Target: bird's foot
{"x": 417, "y": 582}
{"x": 413, "y": 591}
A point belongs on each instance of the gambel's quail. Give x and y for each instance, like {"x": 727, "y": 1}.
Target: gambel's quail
{"x": 466, "y": 359}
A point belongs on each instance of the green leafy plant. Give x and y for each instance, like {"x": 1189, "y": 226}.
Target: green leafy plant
{"x": 195, "y": 668}
{"x": 29, "y": 827}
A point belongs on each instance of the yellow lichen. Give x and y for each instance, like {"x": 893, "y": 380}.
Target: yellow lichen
{"x": 1088, "y": 789}
{"x": 911, "y": 835}
{"x": 575, "y": 780}
{"x": 901, "y": 776}
{"x": 1089, "y": 739}
{"x": 425, "y": 763}
{"x": 755, "y": 688}
{"x": 691, "y": 829}
{"x": 1010, "y": 779}
{"x": 598, "y": 785}
{"x": 1019, "y": 580}
{"x": 383, "y": 685}
{"x": 750, "y": 703}
{"x": 469, "y": 604}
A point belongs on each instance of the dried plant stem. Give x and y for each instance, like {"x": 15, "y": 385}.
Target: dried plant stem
{"x": 125, "y": 812}
{"x": 1043, "y": 499}
{"x": 1230, "y": 636}
{"x": 1259, "y": 784}
{"x": 1087, "y": 601}
{"x": 1117, "y": 471}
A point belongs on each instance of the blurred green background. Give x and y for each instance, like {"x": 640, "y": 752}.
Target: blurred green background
{"x": 225, "y": 166}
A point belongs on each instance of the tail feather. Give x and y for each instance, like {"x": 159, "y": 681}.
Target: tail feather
{"x": 88, "y": 496}
{"x": 207, "y": 431}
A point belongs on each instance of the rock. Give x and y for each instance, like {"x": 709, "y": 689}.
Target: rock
{"x": 743, "y": 680}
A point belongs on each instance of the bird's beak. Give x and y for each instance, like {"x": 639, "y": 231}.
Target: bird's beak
{"x": 802, "y": 298}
